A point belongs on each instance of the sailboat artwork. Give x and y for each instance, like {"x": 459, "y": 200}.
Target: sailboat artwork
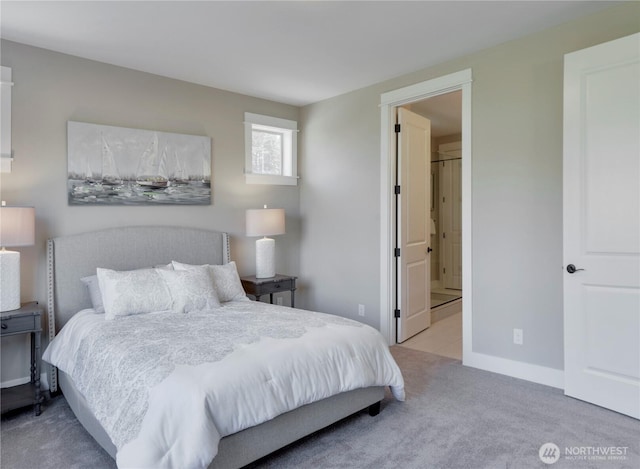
{"x": 151, "y": 170}
{"x": 110, "y": 175}
{"x": 110, "y": 165}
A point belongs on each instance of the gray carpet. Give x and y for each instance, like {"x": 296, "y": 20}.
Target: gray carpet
{"x": 454, "y": 417}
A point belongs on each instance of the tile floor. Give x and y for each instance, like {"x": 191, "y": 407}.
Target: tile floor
{"x": 444, "y": 338}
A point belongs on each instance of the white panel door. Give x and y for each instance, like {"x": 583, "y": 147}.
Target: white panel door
{"x": 414, "y": 224}
{"x": 602, "y": 225}
{"x": 451, "y": 222}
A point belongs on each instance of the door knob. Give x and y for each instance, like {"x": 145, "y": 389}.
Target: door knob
{"x": 429, "y": 249}
{"x": 572, "y": 269}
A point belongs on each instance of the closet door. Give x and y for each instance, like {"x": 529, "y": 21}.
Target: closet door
{"x": 602, "y": 225}
{"x": 451, "y": 222}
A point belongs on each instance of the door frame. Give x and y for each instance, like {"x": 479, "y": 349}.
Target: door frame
{"x": 389, "y": 101}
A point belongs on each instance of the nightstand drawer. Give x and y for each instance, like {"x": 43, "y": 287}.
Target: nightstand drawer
{"x": 18, "y": 324}
{"x": 281, "y": 285}
{"x": 269, "y": 286}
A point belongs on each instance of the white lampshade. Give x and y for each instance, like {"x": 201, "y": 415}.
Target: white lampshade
{"x": 265, "y": 222}
{"x": 17, "y": 228}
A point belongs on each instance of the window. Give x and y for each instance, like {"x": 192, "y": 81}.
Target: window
{"x": 6, "y": 154}
{"x": 271, "y": 146}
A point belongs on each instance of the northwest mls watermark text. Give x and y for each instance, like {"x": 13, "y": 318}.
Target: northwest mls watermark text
{"x": 550, "y": 453}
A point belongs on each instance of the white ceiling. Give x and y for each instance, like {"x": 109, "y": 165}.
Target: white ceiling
{"x": 295, "y": 52}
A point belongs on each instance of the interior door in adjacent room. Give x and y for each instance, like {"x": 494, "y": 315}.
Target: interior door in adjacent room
{"x": 602, "y": 225}
{"x": 451, "y": 214}
{"x": 414, "y": 224}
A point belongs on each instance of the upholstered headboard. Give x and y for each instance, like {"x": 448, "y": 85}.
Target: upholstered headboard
{"x": 69, "y": 258}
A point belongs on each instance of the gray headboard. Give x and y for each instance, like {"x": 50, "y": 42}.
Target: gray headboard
{"x": 69, "y": 258}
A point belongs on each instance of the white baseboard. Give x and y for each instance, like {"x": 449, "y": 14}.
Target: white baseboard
{"x": 44, "y": 382}
{"x": 521, "y": 370}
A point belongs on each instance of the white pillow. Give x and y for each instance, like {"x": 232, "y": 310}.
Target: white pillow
{"x": 225, "y": 278}
{"x": 94, "y": 292}
{"x": 132, "y": 292}
{"x": 191, "y": 290}
{"x": 94, "y": 288}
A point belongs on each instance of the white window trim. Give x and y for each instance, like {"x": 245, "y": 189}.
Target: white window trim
{"x": 6, "y": 152}
{"x": 250, "y": 178}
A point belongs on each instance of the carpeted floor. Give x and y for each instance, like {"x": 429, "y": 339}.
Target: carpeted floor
{"x": 454, "y": 417}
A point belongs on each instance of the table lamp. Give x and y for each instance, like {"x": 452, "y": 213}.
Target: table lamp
{"x": 17, "y": 228}
{"x": 265, "y": 222}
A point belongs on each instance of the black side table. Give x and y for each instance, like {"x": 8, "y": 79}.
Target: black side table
{"x": 270, "y": 285}
{"x": 24, "y": 320}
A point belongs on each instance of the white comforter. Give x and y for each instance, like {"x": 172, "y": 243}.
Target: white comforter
{"x": 167, "y": 386}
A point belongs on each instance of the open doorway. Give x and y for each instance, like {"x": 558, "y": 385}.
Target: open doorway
{"x": 390, "y": 102}
{"x": 444, "y": 336}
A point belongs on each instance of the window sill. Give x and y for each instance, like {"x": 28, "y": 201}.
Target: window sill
{"x": 271, "y": 179}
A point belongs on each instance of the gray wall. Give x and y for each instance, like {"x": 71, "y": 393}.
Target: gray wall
{"x": 516, "y": 189}
{"x": 52, "y": 88}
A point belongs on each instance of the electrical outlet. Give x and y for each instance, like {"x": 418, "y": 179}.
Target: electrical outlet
{"x": 279, "y": 300}
{"x": 360, "y": 310}
{"x": 517, "y": 336}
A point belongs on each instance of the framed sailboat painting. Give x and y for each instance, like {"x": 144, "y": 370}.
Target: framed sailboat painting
{"x": 110, "y": 165}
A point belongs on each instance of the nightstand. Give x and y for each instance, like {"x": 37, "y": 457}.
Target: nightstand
{"x": 263, "y": 286}
{"x": 25, "y": 320}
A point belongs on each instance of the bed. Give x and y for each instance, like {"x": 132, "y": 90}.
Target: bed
{"x": 72, "y": 258}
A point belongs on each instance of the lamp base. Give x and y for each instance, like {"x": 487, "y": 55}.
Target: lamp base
{"x": 265, "y": 258}
{"x": 9, "y": 280}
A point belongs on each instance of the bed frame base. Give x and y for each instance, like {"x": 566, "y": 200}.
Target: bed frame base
{"x": 242, "y": 448}
{"x": 374, "y": 409}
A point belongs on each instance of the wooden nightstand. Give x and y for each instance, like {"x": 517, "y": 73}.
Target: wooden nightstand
{"x": 25, "y": 320}
{"x": 262, "y": 286}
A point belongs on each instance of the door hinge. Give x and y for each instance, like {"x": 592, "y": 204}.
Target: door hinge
{"x": 396, "y": 190}
{"x": 396, "y": 252}
{"x": 444, "y": 270}
{"x": 444, "y": 235}
{"x": 396, "y": 313}
{"x": 397, "y": 128}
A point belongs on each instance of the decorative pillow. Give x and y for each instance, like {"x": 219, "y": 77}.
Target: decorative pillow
{"x": 191, "y": 290}
{"x": 94, "y": 292}
{"x": 132, "y": 292}
{"x": 94, "y": 288}
{"x": 226, "y": 280}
